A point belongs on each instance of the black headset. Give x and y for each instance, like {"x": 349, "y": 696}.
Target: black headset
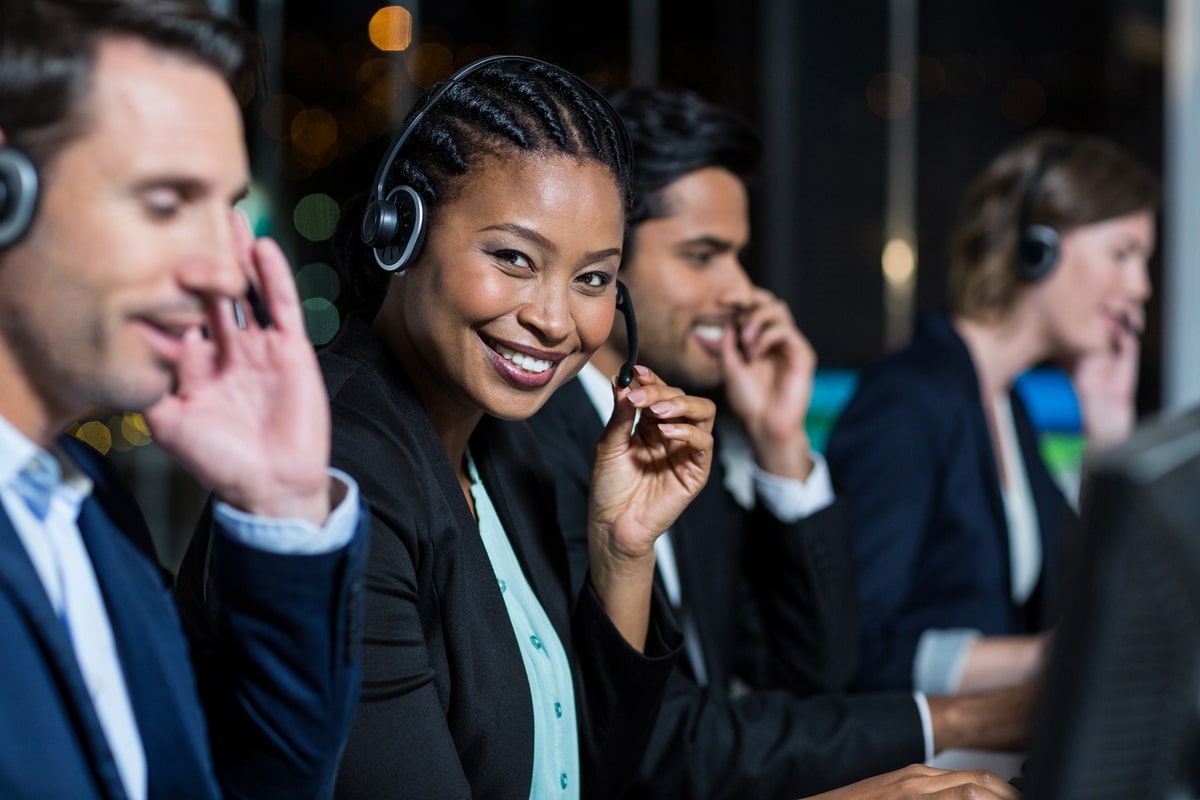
{"x": 394, "y": 222}
{"x": 1037, "y": 245}
{"x": 18, "y": 195}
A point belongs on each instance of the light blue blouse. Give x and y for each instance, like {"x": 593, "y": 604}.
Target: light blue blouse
{"x": 555, "y": 734}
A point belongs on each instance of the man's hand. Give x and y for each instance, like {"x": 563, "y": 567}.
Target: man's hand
{"x": 768, "y": 369}
{"x": 1000, "y": 719}
{"x": 249, "y": 416}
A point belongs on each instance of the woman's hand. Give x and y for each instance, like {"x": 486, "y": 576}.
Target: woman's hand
{"x": 642, "y": 479}
{"x": 1106, "y": 383}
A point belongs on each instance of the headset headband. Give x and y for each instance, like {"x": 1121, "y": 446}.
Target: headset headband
{"x": 1051, "y": 152}
{"x": 379, "y": 191}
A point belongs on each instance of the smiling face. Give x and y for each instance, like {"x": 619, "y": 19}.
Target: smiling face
{"x": 1101, "y": 278}
{"x": 514, "y": 289}
{"x": 685, "y": 278}
{"x": 132, "y": 236}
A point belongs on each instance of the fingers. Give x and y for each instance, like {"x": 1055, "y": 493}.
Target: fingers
{"x": 766, "y": 311}
{"x": 243, "y": 243}
{"x": 976, "y": 784}
{"x": 272, "y": 297}
{"x": 765, "y": 324}
{"x": 671, "y": 406}
{"x": 269, "y": 270}
{"x": 1131, "y": 327}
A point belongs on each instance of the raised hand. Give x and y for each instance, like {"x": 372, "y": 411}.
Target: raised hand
{"x": 642, "y": 479}
{"x": 249, "y": 416}
{"x": 1106, "y": 384}
{"x": 768, "y": 368}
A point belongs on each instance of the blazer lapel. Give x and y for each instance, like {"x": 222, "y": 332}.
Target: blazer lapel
{"x": 18, "y": 578}
{"x": 152, "y": 652}
{"x": 961, "y": 369}
{"x": 528, "y": 516}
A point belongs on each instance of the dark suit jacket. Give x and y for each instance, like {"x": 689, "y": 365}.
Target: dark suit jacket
{"x": 446, "y": 708}
{"x": 773, "y": 605}
{"x": 913, "y": 456}
{"x": 286, "y": 712}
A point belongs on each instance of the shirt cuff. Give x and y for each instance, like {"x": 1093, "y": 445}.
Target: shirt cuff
{"x": 941, "y": 658}
{"x": 294, "y": 536}
{"x": 790, "y": 499}
{"x": 926, "y": 723}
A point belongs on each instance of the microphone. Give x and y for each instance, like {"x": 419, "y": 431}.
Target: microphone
{"x": 625, "y": 306}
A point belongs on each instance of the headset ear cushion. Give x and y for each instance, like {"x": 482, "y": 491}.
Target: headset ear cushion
{"x": 1037, "y": 251}
{"x": 402, "y": 216}
{"x": 18, "y": 195}
{"x": 379, "y": 223}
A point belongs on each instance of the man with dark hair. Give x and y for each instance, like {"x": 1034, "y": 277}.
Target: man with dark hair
{"x": 125, "y": 276}
{"x": 758, "y": 567}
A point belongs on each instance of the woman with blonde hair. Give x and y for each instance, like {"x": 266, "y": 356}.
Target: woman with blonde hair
{"x": 959, "y": 528}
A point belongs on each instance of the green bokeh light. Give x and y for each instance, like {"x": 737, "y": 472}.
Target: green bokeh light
{"x": 315, "y": 216}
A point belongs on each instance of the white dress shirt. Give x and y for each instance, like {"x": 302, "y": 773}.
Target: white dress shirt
{"x": 787, "y": 498}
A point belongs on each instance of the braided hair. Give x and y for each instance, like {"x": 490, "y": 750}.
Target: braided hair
{"x": 518, "y": 106}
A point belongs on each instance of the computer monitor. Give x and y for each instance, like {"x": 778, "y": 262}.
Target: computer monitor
{"x": 1117, "y": 715}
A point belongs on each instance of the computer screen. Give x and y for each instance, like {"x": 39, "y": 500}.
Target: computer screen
{"x": 1117, "y": 715}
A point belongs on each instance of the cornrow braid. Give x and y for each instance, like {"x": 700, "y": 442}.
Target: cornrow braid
{"x": 532, "y": 107}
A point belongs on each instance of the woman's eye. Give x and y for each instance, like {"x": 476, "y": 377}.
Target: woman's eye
{"x": 513, "y": 258}
{"x": 596, "y": 280}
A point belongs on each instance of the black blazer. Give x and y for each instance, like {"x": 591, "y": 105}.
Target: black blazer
{"x": 913, "y": 456}
{"x": 275, "y": 707}
{"x": 446, "y": 709}
{"x": 774, "y": 609}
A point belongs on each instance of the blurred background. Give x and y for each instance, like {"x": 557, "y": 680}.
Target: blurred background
{"x": 875, "y": 113}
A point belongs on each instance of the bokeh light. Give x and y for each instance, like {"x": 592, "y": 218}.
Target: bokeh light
{"x": 117, "y": 435}
{"x": 315, "y": 215}
{"x": 318, "y": 280}
{"x": 889, "y": 95}
{"x": 390, "y": 29}
{"x": 379, "y": 80}
{"x": 899, "y": 262}
{"x": 277, "y": 114}
{"x": 430, "y": 63}
{"x": 96, "y": 434}
{"x": 314, "y": 137}
{"x": 322, "y": 320}
{"x": 135, "y": 430}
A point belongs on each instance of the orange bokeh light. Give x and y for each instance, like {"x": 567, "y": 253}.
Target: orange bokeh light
{"x": 390, "y": 28}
